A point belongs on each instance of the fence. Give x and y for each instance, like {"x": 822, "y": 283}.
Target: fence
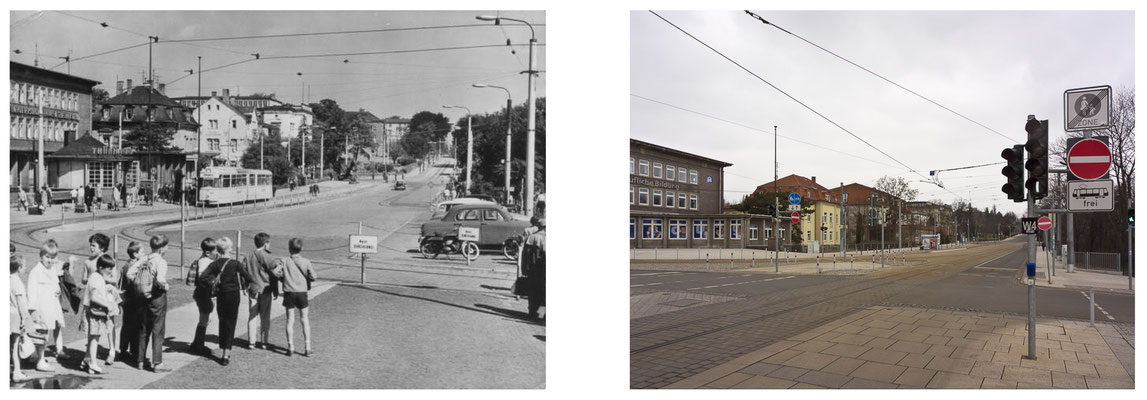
{"x": 1098, "y": 261}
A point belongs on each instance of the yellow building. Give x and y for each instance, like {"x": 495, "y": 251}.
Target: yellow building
{"x": 821, "y": 221}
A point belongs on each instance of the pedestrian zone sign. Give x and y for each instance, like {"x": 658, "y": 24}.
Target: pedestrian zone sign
{"x": 1087, "y": 109}
{"x": 363, "y": 244}
{"x": 468, "y": 234}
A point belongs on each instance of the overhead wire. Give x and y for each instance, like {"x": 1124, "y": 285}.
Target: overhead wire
{"x": 359, "y": 31}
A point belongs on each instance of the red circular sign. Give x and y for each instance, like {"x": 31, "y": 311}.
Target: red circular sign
{"x": 1089, "y": 159}
{"x": 1044, "y": 223}
{"x": 796, "y": 217}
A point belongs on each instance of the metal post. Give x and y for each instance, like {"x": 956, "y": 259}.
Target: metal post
{"x": 730, "y": 260}
{"x": 362, "y": 268}
{"x": 706, "y": 261}
{"x": 238, "y": 242}
{"x": 182, "y": 232}
{"x": 899, "y": 228}
{"x": 1130, "y": 256}
{"x": 1031, "y": 285}
{"x": 1070, "y": 242}
{"x": 777, "y": 207}
{"x": 1091, "y": 309}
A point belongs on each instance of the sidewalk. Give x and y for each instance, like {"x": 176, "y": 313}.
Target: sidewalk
{"x": 897, "y": 347}
{"x": 1080, "y": 279}
{"x": 804, "y": 264}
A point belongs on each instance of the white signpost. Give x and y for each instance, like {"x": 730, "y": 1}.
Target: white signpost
{"x": 363, "y": 244}
{"x": 1087, "y": 109}
{"x": 468, "y": 234}
{"x": 1090, "y": 196}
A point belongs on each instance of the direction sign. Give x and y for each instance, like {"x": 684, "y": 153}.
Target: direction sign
{"x": 1044, "y": 223}
{"x": 1088, "y": 158}
{"x": 794, "y": 207}
{"x": 1028, "y": 225}
{"x": 796, "y": 217}
{"x": 363, "y": 244}
{"x": 794, "y": 198}
{"x": 1090, "y": 196}
{"x": 1086, "y": 109}
{"x": 468, "y": 234}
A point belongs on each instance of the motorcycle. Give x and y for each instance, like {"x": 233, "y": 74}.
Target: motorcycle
{"x": 512, "y": 247}
{"x": 432, "y": 246}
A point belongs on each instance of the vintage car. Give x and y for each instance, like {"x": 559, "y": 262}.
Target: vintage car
{"x": 399, "y": 185}
{"x": 442, "y": 208}
{"x": 494, "y": 222}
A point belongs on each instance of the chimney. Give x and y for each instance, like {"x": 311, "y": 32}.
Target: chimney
{"x": 214, "y": 93}
{"x": 128, "y": 88}
{"x": 227, "y": 96}
{"x": 118, "y": 87}
{"x": 814, "y": 179}
{"x": 162, "y": 86}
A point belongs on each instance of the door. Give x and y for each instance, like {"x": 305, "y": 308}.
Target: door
{"x": 495, "y": 227}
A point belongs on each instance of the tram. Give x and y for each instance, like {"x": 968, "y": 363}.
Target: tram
{"x": 227, "y": 185}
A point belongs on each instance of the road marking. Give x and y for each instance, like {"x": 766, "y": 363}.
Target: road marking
{"x": 742, "y": 283}
{"x": 997, "y": 269}
{"x": 656, "y": 274}
{"x": 1097, "y": 306}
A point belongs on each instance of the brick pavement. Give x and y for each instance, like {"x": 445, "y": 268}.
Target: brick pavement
{"x": 900, "y": 347}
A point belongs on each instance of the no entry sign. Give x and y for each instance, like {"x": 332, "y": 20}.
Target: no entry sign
{"x": 1044, "y": 223}
{"x": 1088, "y": 159}
{"x": 796, "y": 217}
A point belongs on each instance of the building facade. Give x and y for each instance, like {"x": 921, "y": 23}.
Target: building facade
{"x": 290, "y": 119}
{"x": 227, "y": 129}
{"x": 393, "y": 129}
{"x": 377, "y": 130}
{"x": 820, "y": 216}
{"x": 66, "y": 116}
{"x": 143, "y": 107}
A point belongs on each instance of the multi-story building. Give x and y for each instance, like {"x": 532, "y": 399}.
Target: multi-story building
{"x": 290, "y": 119}
{"x": 142, "y": 107}
{"x": 820, "y": 223}
{"x": 676, "y": 200}
{"x": 377, "y": 129}
{"x": 393, "y": 129}
{"x": 228, "y": 128}
{"x": 65, "y": 116}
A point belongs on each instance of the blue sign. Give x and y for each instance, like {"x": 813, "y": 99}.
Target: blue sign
{"x": 794, "y": 198}
{"x": 1031, "y": 270}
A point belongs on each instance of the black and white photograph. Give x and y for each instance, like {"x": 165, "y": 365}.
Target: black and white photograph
{"x": 277, "y": 199}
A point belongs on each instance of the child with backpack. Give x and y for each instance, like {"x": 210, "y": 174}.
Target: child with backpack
{"x": 129, "y": 331}
{"x": 203, "y": 293}
{"x": 150, "y": 288}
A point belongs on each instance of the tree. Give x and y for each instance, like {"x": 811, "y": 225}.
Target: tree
{"x": 274, "y": 158}
{"x": 415, "y": 144}
{"x": 333, "y": 127}
{"x": 439, "y": 125}
{"x": 490, "y": 148}
{"x": 150, "y": 138}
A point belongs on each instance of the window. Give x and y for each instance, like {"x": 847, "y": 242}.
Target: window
{"x": 101, "y": 174}
{"x": 700, "y": 230}
{"x": 656, "y": 198}
{"x": 782, "y": 231}
{"x": 234, "y": 144}
{"x": 753, "y": 232}
{"x": 129, "y": 112}
{"x": 669, "y": 199}
{"x": 234, "y": 124}
{"x": 651, "y": 228}
{"x": 469, "y": 215}
{"x": 681, "y": 200}
{"x": 808, "y": 235}
{"x": 631, "y": 195}
{"x": 677, "y": 229}
{"x": 692, "y": 202}
{"x": 735, "y": 229}
{"x": 632, "y": 226}
{"x": 657, "y": 170}
{"x": 768, "y": 232}
{"x": 670, "y": 173}
{"x": 693, "y": 176}
{"x": 212, "y": 144}
{"x": 718, "y": 229}
{"x": 643, "y": 168}
{"x": 632, "y": 166}
{"x": 830, "y": 218}
{"x": 491, "y": 215}
{"x": 681, "y": 175}
{"x": 213, "y": 123}
{"x": 643, "y": 196}
{"x": 830, "y": 236}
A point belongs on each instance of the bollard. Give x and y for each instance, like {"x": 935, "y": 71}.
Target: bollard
{"x": 852, "y": 262}
{"x": 730, "y": 260}
{"x": 873, "y": 261}
{"x": 706, "y": 261}
{"x": 834, "y": 263}
{"x": 818, "y": 263}
{"x": 754, "y": 259}
{"x": 1092, "y": 308}
{"x": 238, "y": 242}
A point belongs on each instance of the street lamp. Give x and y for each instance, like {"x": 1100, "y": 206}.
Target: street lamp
{"x": 469, "y": 145}
{"x": 509, "y": 132}
{"x": 531, "y": 74}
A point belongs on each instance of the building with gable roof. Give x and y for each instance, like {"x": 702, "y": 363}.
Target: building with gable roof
{"x": 821, "y": 224}
{"x": 142, "y": 107}
{"x": 229, "y": 124}
{"x": 65, "y": 117}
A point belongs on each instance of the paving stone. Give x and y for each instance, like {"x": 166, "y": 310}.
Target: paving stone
{"x": 828, "y": 336}
{"x": 916, "y": 360}
{"x": 1013, "y": 339}
{"x": 1098, "y": 359}
{"x": 782, "y": 356}
{"x": 1004, "y": 330}
{"x": 760, "y": 368}
{"x": 917, "y": 377}
{"x": 910, "y": 336}
{"x": 1079, "y": 368}
{"x": 956, "y": 333}
{"x": 878, "y": 371}
{"x": 789, "y": 373}
{"x": 810, "y": 360}
{"x": 979, "y": 327}
{"x": 1058, "y": 338}
{"x": 910, "y": 347}
{"x": 1026, "y": 385}
{"x": 764, "y": 382}
{"x": 850, "y": 328}
{"x": 937, "y": 339}
{"x": 951, "y": 365}
{"x": 904, "y": 327}
{"x": 991, "y": 383}
{"x": 930, "y": 330}
{"x": 998, "y": 347}
{"x": 1099, "y": 349}
{"x": 858, "y": 383}
{"x": 988, "y": 369}
{"x": 1044, "y": 363}
{"x": 964, "y": 353}
{"x": 1027, "y": 375}
{"x": 1064, "y": 355}
{"x": 931, "y": 324}
{"x": 1076, "y": 347}
{"x": 947, "y": 380}
{"x": 968, "y": 343}
{"x": 940, "y": 351}
{"x": 845, "y": 350}
{"x": 1006, "y": 358}
{"x": 886, "y": 324}
{"x": 1088, "y": 339}
{"x": 884, "y": 356}
{"x": 1068, "y": 381}
{"x": 729, "y": 380}
{"x": 1100, "y": 383}
{"x": 985, "y": 336}
{"x": 878, "y": 332}
{"x": 824, "y": 379}
{"x": 851, "y": 338}
{"x": 803, "y": 385}
{"x": 812, "y": 345}
{"x": 844, "y": 366}
{"x": 880, "y": 343}
{"x": 1110, "y": 372}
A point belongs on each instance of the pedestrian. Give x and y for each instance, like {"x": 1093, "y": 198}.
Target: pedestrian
{"x": 19, "y": 320}
{"x": 46, "y": 197}
{"x": 123, "y": 194}
{"x": 533, "y": 261}
{"x": 292, "y": 184}
{"x": 89, "y": 197}
{"x": 152, "y": 274}
{"x": 202, "y": 294}
{"x": 263, "y": 290}
{"x": 22, "y": 204}
{"x": 232, "y": 279}
{"x": 131, "y": 311}
{"x": 99, "y": 305}
{"x": 297, "y": 276}
{"x": 44, "y": 302}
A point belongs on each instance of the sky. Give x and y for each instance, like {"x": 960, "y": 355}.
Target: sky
{"x": 995, "y": 67}
{"x": 385, "y": 84}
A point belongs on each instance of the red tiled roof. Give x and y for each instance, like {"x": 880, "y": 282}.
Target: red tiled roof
{"x": 803, "y": 186}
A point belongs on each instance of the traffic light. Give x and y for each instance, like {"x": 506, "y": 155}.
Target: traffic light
{"x": 773, "y": 210}
{"x": 1131, "y": 216}
{"x": 178, "y": 184}
{"x": 1037, "y": 158}
{"x": 1014, "y": 171}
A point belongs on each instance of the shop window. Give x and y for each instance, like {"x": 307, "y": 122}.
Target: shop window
{"x": 718, "y": 229}
{"x": 677, "y": 229}
{"x": 700, "y": 229}
{"x": 735, "y": 229}
{"x": 651, "y": 228}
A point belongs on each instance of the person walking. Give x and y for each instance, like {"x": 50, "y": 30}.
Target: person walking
{"x": 263, "y": 290}
{"x": 22, "y": 201}
{"x": 533, "y": 261}
{"x": 153, "y": 304}
{"x": 44, "y": 302}
{"x": 19, "y": 319}
{"x": 231, "y": 278}
{"x": 202, "y": 294}
{"x": 131, "y": 310}
{"x": 99, "y": 306}
{"x": 297, "y": 276}
{"x": 89, "y": 197}
{"x": 46, "y": 196}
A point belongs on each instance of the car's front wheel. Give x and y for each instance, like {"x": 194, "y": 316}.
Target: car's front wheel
{"x": 429, "y": 249}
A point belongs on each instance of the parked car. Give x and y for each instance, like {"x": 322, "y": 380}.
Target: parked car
{"x": 494, "y": 222}
{"x": 442, "y": 208}
{"x": 399, "y": 185}
{"x": 485, "y": 197}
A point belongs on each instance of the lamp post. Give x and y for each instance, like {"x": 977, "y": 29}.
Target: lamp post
{"x": 509, "y": 132}
{"x": 530, "y": 145}
{"x": 469, "y": 145}
{"x": 198, "y": 133}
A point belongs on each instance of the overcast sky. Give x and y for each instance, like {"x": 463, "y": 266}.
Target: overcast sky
{"x": 392, "y": 84}
{"x": 993, "y": 67}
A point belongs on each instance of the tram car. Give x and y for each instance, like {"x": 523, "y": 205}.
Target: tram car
{"x": 228, "y": 185}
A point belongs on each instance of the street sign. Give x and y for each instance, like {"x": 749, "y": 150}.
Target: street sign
{"x": 1088, "y": 158}
{"x": 794, "y": 198}
{"x": 794, "y": 207}
{"x": 1090, "y": 196}
{"x": 1086, "y": 109}
{"x": 1044, "y": 223}
{"x": 796, "y": 217}
{"x": 363, "y": 244}
{"x": 468, "y": 234}
{"x": 1028, "y": 225}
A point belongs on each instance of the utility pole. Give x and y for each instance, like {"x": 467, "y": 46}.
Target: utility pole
{"x": 777, "y": 206}
{"x": 883, "y": 221}
{"x": 199, "y": 135}
{"x": 899, "y": 227}
{"x": 843, "y": 221}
